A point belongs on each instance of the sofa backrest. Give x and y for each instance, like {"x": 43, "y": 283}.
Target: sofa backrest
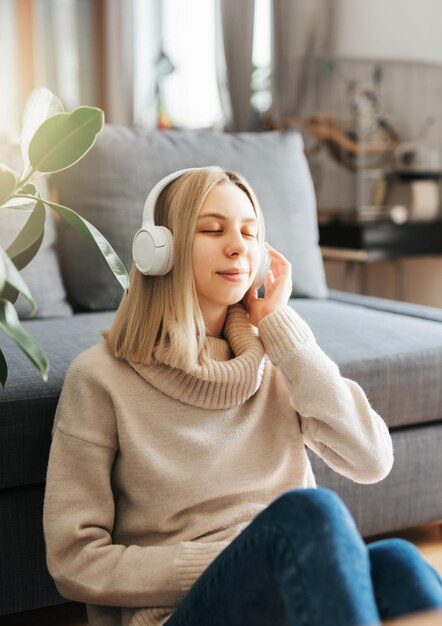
{"x": 109, "y": 186}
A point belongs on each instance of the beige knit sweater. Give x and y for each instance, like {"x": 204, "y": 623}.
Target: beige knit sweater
{"x": 153, "y": 471}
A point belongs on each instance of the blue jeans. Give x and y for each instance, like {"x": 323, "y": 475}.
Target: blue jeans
{"x": 302, "y": 562}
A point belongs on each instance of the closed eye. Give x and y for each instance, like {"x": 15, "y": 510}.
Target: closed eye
{"x": 220, "y": 231}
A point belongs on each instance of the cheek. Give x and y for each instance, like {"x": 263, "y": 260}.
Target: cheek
{"x": 203, "y": 253}
{"x": 201, "y": 264}
{"x": 198, "y": 253}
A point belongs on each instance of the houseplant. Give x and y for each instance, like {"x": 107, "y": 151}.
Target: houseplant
{"x": 51, "y": 140}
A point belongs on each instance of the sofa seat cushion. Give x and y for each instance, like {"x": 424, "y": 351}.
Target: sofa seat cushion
{"x": 396, "y": 359}
{"x": 410, "y": 495}
{"x": 27, "y": 404}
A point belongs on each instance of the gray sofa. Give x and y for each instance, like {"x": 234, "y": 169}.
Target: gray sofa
{"x": 393, "y": 349}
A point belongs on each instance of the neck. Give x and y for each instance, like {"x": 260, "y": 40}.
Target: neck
{"x": 214, "y": 320}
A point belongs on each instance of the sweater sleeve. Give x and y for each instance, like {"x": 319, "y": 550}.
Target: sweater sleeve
{"x": 79, "y": 515}
{"x": 337, "y": 420}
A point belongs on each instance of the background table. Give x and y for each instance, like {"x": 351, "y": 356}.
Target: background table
{"x": 379, "y": 240}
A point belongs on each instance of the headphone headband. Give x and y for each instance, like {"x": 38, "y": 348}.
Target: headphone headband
{"x": 149, "y": 205}
{"x": 152, "y": 246}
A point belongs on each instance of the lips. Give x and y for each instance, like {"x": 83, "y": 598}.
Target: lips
{"x": 234, "y": 277}
{"x": 233, "y": 272}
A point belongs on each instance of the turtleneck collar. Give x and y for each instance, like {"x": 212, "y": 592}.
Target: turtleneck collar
{"x": 232, "y": 373}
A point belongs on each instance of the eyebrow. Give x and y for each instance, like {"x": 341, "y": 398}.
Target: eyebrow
{"x": 223, "y": 217}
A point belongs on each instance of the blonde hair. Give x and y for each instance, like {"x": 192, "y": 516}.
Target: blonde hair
{"x": 160, "y": 317}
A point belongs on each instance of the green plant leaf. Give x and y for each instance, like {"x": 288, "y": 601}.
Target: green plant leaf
{"x": 25, "y": 246}
{"x": 64, "y": 138}
{"x": 30, "y": 189}
{"x": 8, "y": 181}
{"x": 23, "y": 204}
{"x": 14, "y": 281}
{"x": 2, "y": 269}
{"x": 40, "y": 104}
{"x": 10, "y": 325}
{"x": 3, "y": 369}
{"x": 27, "y": 243}
{"x": 98, "y": 242}
{"x": 20, "y": 204}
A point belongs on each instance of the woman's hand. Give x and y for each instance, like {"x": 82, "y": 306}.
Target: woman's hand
{"x": 277, "y": 285}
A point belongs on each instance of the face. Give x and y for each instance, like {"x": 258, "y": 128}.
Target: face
{"x": 225, "y": 252}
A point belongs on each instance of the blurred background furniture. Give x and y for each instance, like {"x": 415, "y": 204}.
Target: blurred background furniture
{"x": 366, "y": 242}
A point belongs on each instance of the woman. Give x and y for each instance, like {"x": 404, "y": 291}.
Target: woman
{"x": 179, "y": 489}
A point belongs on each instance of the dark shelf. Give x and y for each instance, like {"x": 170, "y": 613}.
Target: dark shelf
{"x": 408, "y": 239}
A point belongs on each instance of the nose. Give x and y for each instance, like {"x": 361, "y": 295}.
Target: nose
{"x": 235, "y": 244}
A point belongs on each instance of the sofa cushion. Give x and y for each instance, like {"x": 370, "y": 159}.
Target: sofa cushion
{"x": 411, "y": 309}
{"x": 27, "y": 404}
{"x": 396, "y": 359}
{"x": 24, "y": 579}
{"x": 411, "y": 494}
{"x": 42, "y": 275}
{"x": 110, "y": 184}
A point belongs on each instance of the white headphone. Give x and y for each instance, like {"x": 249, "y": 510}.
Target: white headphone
{"x": 152, "y": 247}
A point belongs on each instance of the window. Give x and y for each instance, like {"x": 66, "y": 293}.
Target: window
{"x": 261, "y": 57}
{"x": 191, "y": 92}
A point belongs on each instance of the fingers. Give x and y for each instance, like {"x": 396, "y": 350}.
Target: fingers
{"x": 270, "y": 278}
{"x": 274, "y": 254}
{"x": 279, "y": 264}
{"x": 253, "y": 295}
{"x": 273, "y": 250}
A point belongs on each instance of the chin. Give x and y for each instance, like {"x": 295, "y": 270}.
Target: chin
{"x": 239, "y": 299}
{"x": 234, "y": 299}
{"x": 233, "y": 296}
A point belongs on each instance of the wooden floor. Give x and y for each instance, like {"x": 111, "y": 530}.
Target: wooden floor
{"x": 427, "y": 538}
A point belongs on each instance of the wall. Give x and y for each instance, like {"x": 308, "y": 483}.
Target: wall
{"x": 391, "y": 29}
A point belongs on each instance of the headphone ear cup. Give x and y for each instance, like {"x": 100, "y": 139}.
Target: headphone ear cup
{"x": 263, "y": 269}
{"x": 152, "y": 245}
{"x": 168, "y": 254}
{"x": 152, "y": 250}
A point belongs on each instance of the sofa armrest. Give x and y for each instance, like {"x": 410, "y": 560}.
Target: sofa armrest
{"x": 383, "y": 304}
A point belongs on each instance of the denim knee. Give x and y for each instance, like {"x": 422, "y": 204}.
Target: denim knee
{"x": 398, "y": 564}
{"x": 307, "y": 508}
{"x": 394, "y": 553}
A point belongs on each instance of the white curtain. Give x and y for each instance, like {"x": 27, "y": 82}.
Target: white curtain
{"x": 9, "y": 87}
{"x": 301, "y": 31}
{"x": 79, "y": 50}
{"x": 119, "y": 64}
{"x": 62, "y": 40}
{"x": 234, "y": 45}
{"x": 147, "y": 46}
